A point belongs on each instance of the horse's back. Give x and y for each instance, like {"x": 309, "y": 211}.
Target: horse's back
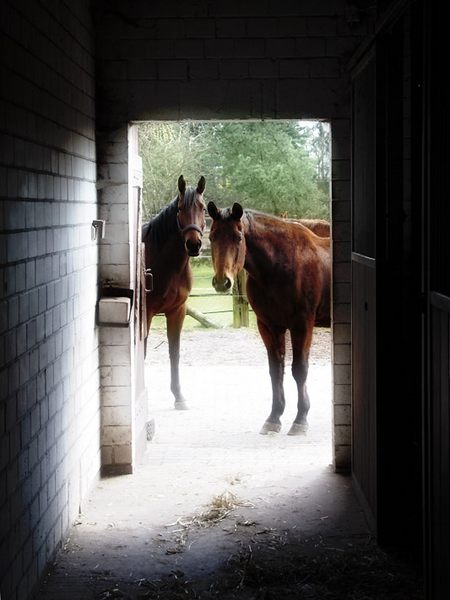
{"x": 319, "y": 227}
{"x": 323, "y": 313}
{"x": 295, "y": 283}
{"x": 309, "y": 277}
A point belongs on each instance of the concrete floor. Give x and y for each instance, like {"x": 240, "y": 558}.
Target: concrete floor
{"x": 149, "y": 525}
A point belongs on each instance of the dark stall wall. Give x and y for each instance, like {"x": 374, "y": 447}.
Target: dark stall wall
{"x": 387, "y": 303}
{"x": 437, "y": 295}
{"x": 399, "y": 242}
{"x": 49, "y": 378}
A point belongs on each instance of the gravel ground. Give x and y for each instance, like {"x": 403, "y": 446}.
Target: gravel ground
{"x": 230, "y": 347}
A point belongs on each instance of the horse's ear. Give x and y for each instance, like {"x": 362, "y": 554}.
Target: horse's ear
{"x": 181, "y": 185}
{"x": 201, "y": 185}
{"x": 237, "y": 211}
{"x": 213, "y": 211}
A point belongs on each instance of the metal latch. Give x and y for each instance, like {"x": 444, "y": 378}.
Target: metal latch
{"x": 98, "y": 228}
{"x": 148, "y": 281}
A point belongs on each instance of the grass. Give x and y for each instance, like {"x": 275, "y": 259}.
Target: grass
{"x": 217, "y": 307}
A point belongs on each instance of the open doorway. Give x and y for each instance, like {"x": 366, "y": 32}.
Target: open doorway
{"x": 212, "y": 456}
{"x": 281, "y": 168}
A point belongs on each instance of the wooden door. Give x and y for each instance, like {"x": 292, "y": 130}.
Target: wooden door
{"x": 436, "y": 204}
{"x": 141, "y": 402}
{"x": 386, "y": 282}
{"x": 364, "y": 333}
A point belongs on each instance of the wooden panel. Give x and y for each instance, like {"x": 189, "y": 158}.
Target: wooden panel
{"x": 439, "y": 451}
{"x": 399, "y": 310}
{"x": 364, "y": 426}
{"x": 386, "y": 332}
{"x": 140, "y": 405}
{"x": 364, "y": 340}
{"x": 363, "y": 134}
{"x": 437, "y": 211}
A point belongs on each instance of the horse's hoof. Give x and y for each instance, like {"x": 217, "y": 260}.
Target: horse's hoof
{"x": 269, "y": 427}
{"x": 181, "y": 405}
{"x": 298, "y": 429}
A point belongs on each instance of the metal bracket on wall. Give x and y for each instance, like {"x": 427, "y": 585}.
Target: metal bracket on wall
{"x": 98, "y": 229}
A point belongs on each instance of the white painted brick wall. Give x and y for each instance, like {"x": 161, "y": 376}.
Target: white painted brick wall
{"x": 49, "y": 377}
{"x": 122, "y": 427}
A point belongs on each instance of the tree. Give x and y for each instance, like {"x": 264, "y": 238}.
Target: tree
{"x": 318, "y": 141}
{"x": 266, "y": 166}
{"x": 263, "y": 165}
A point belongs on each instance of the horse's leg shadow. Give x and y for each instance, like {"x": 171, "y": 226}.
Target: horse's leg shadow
{"x": 174, "y": 324}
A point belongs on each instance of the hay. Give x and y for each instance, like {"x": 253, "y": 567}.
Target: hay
{"x": 270, "y": 566}
{"x": 365, "y": 573}
{"x": 256, "y": 573}
{"x": 218, "y": 509}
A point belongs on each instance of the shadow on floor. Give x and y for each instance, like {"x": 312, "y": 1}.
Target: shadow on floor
{"x": 217, "y": 511}
{"x": 310, "y": 544}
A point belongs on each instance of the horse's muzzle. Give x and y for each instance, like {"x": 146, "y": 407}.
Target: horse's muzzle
{"x": 193, "y": 247}
{"x": 223, "y": 285}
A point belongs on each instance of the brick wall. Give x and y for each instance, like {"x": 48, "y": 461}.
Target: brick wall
{"x": 124, "y": 401}
{"x": 49, "y": 382}
{"x": 265, "y": 59}
{"x": 226, "y": 59}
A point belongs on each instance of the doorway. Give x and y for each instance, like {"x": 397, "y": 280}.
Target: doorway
{"x": 281, "y": 168}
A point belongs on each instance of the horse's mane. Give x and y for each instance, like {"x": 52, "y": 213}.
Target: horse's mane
{"x": 165, "y": 223}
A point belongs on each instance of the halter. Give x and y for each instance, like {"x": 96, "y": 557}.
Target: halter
{"x": 189, "y": 227}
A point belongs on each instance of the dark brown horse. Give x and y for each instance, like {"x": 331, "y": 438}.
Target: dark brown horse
{"x": 288, "y": 286}
{"x": 170, "y": 239}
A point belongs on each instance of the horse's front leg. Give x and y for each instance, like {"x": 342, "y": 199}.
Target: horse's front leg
{"x": 174, "y": 324}
{"x": 301, "y": 343}
{"x": 274, "y": 340}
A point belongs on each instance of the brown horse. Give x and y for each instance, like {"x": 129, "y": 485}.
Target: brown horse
{"x": 288, "y": 286}
{"x": 170, "y": 239}
{"x": 318, "y": 226}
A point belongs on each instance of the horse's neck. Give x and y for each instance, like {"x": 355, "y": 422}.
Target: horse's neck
{"x": 259, "y": 255}
{"x": 170, "y": 256}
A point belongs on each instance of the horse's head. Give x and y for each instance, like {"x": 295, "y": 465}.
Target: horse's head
{"x": 191, "y": 214}
{"x": 227, "y": 245}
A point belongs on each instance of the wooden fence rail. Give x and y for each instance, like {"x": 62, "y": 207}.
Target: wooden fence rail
{"x": 240, "y": 307}
{"x": 240, "y": 302}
